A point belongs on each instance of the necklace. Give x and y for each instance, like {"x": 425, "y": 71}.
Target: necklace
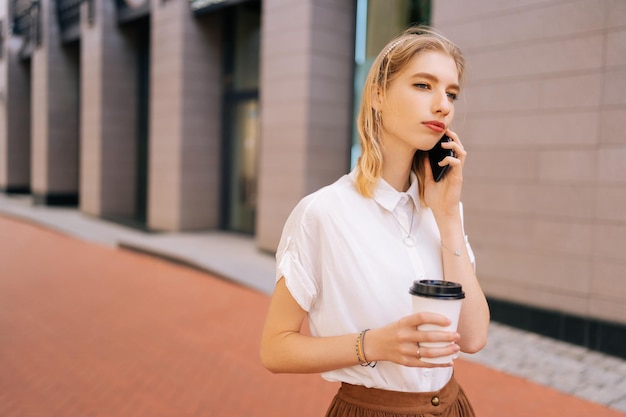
{"x": 409, "y": 240}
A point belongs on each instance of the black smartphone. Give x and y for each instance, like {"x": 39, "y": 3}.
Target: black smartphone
{"x": 436, "y": 154}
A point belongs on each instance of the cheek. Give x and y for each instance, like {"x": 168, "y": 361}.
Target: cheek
{"x": 451, "y": 114}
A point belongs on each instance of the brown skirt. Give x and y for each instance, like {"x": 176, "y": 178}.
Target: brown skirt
{"x": 359, "y": 401}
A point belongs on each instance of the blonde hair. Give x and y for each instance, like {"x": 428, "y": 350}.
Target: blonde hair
{"x": 390, "y": 61}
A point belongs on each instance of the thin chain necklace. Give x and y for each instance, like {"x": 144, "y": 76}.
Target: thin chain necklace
{"x": 409, "y": 240}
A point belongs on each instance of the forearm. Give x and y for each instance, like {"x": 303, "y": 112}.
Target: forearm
{"x": 457, "y": 267}
{"x": 285, "y": 349}
{"x": 295, "y": 352}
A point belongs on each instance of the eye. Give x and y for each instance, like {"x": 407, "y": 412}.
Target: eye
{"x": 452, "y": 96}
{"x": 422, "y": 86}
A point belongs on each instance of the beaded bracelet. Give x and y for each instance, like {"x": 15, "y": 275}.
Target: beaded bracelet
{"x": 360, "y": 351}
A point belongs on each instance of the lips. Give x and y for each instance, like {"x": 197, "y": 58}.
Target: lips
{"x": 435, "y": 125}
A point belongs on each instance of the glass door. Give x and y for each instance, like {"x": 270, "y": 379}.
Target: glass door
{"x": 241, "y": 116}
{"x": 244, "y": 114}
{"x": 378, "y": 21}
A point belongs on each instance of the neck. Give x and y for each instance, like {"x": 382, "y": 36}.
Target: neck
{"x": 396, "y": 171}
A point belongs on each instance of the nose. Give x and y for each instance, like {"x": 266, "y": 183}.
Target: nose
{"x": 442, "y": 103}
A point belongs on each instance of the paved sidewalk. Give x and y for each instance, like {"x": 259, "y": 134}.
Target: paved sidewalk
{"x": 133, "y": 330}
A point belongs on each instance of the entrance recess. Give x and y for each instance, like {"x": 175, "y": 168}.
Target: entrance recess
{"x": 241, "y": 116}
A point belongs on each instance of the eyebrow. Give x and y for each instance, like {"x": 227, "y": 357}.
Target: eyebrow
{"x": 433, "y": 78}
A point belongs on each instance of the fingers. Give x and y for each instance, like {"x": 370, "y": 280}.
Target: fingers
{"x": 418, "y": 355}
{"x": 431, "y": 356}
{"x": 456, "y": 146}
{"x": 426, "y": 317}
{"x": 424, "y": 337}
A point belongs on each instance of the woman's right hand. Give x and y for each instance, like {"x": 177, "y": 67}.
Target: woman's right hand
{"x": 399, "y": 341}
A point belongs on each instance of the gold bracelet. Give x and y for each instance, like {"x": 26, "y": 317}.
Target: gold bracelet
{"x": 457, "y": 252}
{"x": 360, "y": 351}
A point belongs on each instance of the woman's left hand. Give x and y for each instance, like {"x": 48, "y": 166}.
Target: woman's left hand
{"x": 443, "y": 197}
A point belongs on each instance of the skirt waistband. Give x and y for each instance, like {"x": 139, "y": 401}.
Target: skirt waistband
{"x": 400, "y": 402}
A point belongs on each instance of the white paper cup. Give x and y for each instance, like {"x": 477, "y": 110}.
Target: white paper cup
{"x": 441, "y": 297}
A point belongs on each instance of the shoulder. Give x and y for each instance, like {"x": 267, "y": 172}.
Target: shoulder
{"x": 328, "y": 197}
{"x": 329, "y": 201}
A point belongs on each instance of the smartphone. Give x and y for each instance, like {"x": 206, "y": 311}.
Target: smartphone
{"x": 436, "y": 154}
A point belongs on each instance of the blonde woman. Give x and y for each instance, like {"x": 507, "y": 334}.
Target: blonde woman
{"x": 350, "y": 251}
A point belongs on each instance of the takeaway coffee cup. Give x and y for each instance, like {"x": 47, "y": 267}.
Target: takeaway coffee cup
{"x": 442, "y": 297}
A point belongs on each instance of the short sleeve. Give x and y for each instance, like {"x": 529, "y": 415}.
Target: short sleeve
{"x": 470, "y": 252}
{"x": 297, "y": 256}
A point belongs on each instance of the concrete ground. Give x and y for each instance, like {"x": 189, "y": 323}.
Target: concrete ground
{"x": 90, "y": 329}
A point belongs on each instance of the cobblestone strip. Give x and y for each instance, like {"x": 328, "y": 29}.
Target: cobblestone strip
{"x": 565, "y": 367}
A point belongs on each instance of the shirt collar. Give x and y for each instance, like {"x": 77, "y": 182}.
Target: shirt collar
{"x": 388, "y": 197}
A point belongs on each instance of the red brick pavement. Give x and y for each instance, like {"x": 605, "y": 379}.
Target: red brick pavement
{"x": 90, "y": 331}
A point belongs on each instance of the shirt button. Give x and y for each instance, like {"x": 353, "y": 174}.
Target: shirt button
{"x": 435, "y": 401}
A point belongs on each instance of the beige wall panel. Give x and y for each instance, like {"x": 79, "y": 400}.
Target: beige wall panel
{"x": 617, "y": 13}
{"x": 616, "y": 48}
{"x": 55, "y": 111}
{"x": 202, "y": 97}
{"x": 608, "y": 290}
{"x": 499, "y": 199}
{"x": 503, "y": 96}
{"x": 487, "y": 231}
{"x": 287, "y": 115}
{"x": 562, "y": 238}
{"x": 4, "y": 129}
{"x": 527, "y": 24}
{"x": 538, "y": 297}
{"x": 109, "y": 105}
{"x": 568, "y": 166}
{"x": 461, "y": 10}
{"x": 537, "y": 270}
{"x": 4, "y": 108}
{"x": 91, "y": 117}
{"x": 285, "y": 92}
{"x": 39, "y": 120}
{"x": 285, "y": 16}
{"x": 185, "y": 119}
{"x": 15, "y": 121}
{"x": 607, "y": 309}
{"x": 607, "y": 280}
{"x": 611, "y": 166}
{"x": 165, "y": 122}
{"x": 533, "y": 131}
{"x": 564, "y": 92}
{"x": 615, "y": 87}
{"x": 499, "y": 165}
{"x": 610, "y": 241}
{"x": 611, "y": 203}
{"x": 540, "y": 59}
{"x": 310, "y": 90}
{"x": 542, "y": 117}
{"x": 612, "y": 125}
{"x": 281, "y": 67}
{"x": 565, "y": 201}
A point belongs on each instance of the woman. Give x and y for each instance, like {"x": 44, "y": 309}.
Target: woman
{"x": 350, "y": 251}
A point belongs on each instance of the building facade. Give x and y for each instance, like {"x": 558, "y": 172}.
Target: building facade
{"x": 178, "y": 115}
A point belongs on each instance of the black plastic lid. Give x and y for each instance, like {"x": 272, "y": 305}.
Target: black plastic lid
{"x": 437, "y": 289}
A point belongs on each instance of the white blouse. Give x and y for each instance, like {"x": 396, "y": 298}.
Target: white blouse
{"x": 347, "y": 263}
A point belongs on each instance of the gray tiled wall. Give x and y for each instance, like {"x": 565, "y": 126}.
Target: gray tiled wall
{"x": 542, "y": 117}
{"x": 306, "y": 93}
{"x": 185, "y": 124}
{"x": 54, "y": 163}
